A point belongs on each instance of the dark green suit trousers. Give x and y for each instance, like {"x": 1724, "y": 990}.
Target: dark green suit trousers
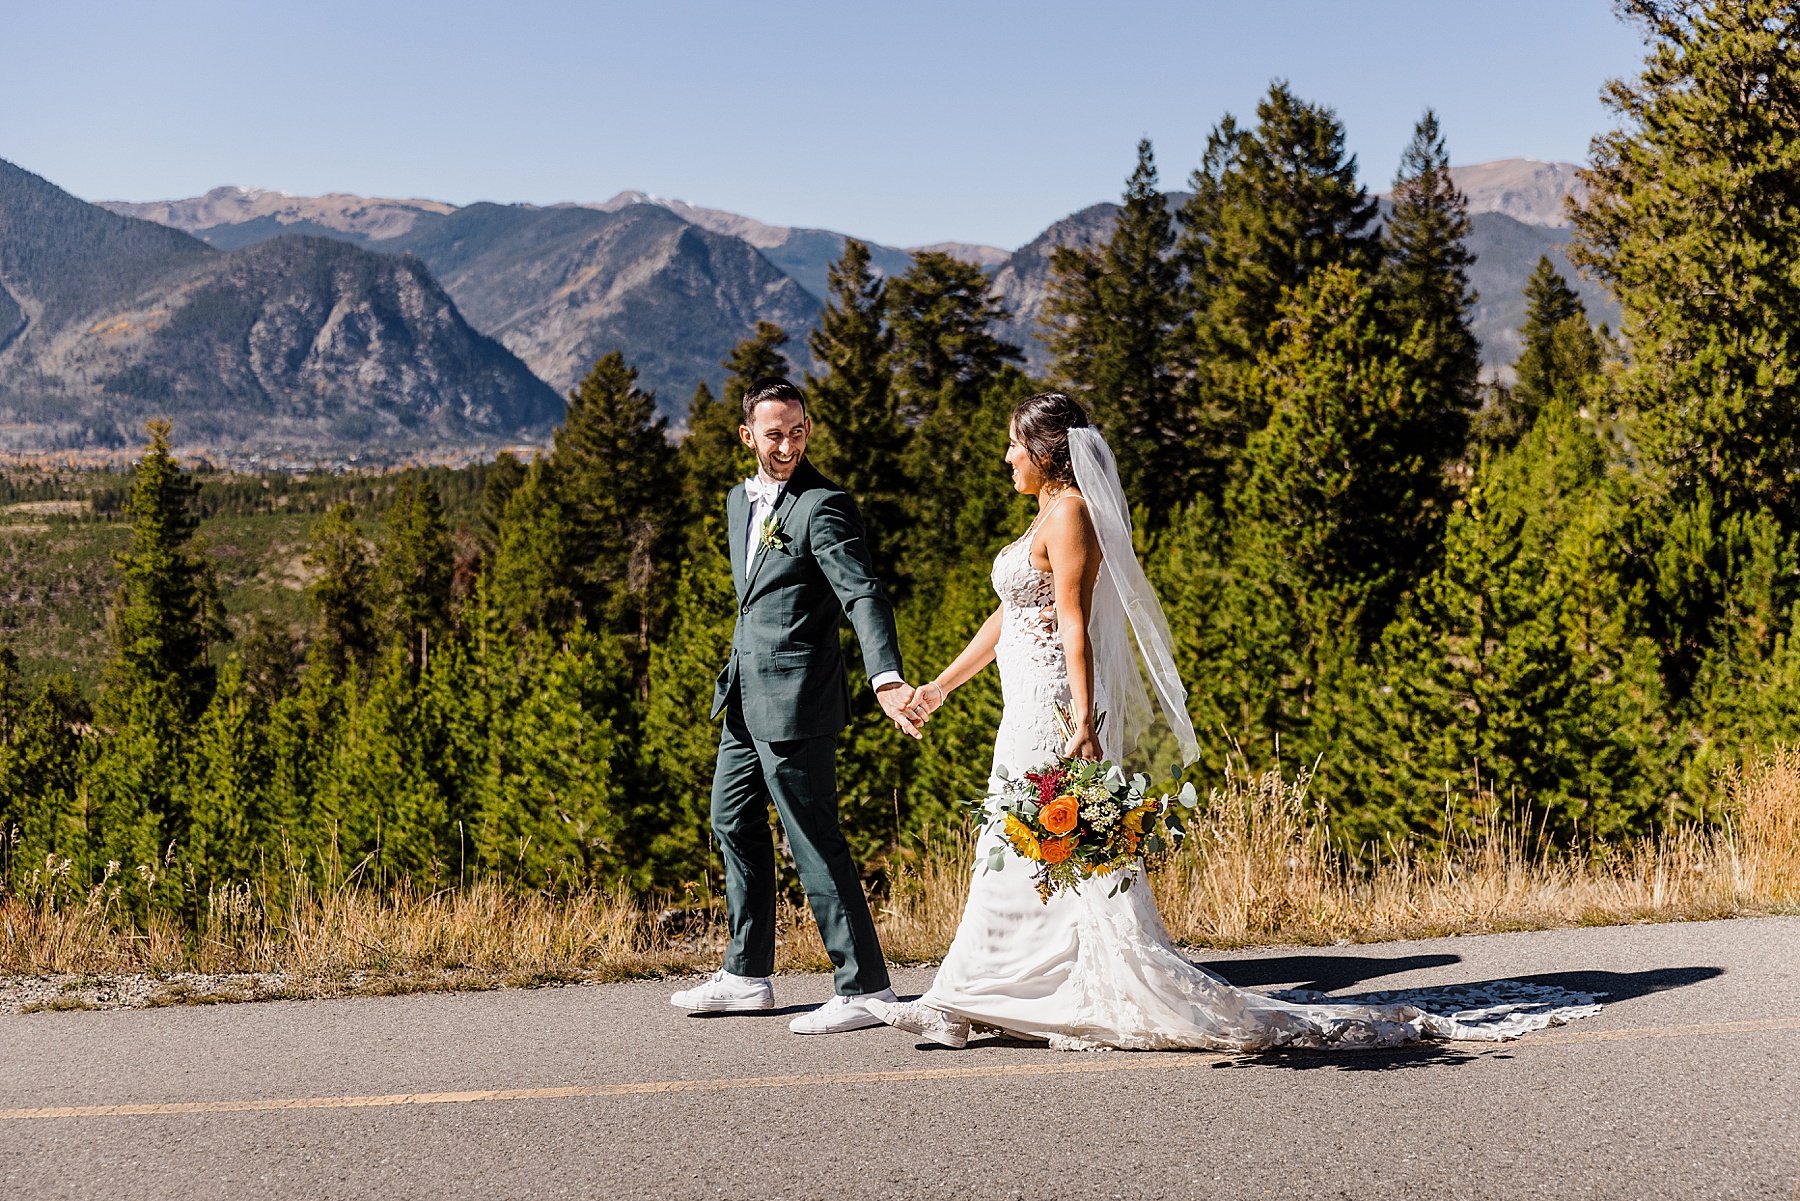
{"x": 800, "y": 778}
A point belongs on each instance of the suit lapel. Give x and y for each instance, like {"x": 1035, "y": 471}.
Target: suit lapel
{"x": 783, "y": 507}
{"x": 737, "y": 515}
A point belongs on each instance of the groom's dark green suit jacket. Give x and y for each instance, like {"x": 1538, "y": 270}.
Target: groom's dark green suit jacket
{"x": 785, "y": 657}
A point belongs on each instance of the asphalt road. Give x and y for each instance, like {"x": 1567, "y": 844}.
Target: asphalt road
{"x": 1686, "y": 1086}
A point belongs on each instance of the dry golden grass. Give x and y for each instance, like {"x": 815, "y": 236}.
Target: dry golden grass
{"x": 1259, "y": 867}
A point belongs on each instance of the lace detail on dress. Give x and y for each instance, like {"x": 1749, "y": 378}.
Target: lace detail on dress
{"x": 1034, "y": 672}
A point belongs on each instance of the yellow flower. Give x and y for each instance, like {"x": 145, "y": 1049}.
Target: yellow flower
{"x": 1134, "y": 820}
{"x": 1023, "y": 840}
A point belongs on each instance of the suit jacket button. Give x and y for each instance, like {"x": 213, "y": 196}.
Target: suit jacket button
{"x": 745, "y": 609}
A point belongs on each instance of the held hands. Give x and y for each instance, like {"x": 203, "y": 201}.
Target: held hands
{"x": 911, "y": 708}
{"x": 898, "y": 702}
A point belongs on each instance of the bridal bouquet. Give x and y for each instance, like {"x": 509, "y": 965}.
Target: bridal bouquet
{"x": 1077, "y": 819}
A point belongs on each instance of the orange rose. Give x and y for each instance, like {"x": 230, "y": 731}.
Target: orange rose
{"x": 1056, "y": 850}
{"x": 1060, "y": 815}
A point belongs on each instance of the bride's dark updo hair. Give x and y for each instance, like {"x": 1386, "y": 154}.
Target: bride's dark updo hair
{"x": 1043, "y": 423}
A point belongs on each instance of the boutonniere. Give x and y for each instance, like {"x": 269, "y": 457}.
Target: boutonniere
{"x": 771, "y": 538}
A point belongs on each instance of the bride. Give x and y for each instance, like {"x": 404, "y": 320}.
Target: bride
{"x": 1078, "y": 627}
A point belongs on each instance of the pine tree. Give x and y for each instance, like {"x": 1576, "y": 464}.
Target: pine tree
{"x": 954, "y": 386}
{"x": 41, "y": 769}
{"x": 380, "y": 800}
{"x": 12, "y": 693}
{"x": 1424, "y": 282}
{"x": 504, "y": 475}
{"x": 858, "y": 439}
{"x": 757, "y": 357}
{"x": 712, "y": 459}
{"x": 1561, "y": 357}
{"x": 1115, "y": 312}
{"x": 944, "y": 350}
{"x": 1522, "y": 669}
{"x": 550, "y": 795}
{"x": 160, "y": 678}
{"x": 226, "y": 787}
{"x": 1314, "y": 522}
{"x": 160, "y": 626}
{"x": 530, "y": 576}
{"x": 270, "y": 655}
{"x": 416, "y": 562}
{"x": 343, "y": 592}
{"x": 615, "y": 476}
{"x": 1270, "y": 207}
{"x": 680, "y": 739}
{"x": 1693, "y": 216}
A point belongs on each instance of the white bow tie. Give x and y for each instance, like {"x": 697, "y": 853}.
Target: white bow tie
{"x": 761, "y": 491}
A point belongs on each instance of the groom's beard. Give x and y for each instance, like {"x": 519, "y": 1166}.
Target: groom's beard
{"x": 780, "y": 473}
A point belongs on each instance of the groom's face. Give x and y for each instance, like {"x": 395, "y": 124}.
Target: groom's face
{"x": 777, "y": 432}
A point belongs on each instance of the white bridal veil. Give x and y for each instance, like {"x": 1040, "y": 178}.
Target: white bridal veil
{"x": 1126, "y": 611}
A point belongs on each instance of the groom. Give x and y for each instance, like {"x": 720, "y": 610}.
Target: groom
{"x": 799, "y": 562}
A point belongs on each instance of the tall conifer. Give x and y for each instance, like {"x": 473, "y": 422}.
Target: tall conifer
{"x": 160, "y": 624}
{"x": 1115, "y": 312}
{"x": 1562, "y": 352}
{"x": 1693, "y": 215}
{"x": 1424, "y": 282}
{"x": 343, "y": 591}
{"x": 858, "y": 438}
{"x": 616, "y": 479}
{"x": 1270, "y": 206}
{"x": 416, "y": 567}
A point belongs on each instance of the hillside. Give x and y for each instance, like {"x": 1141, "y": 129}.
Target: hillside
{"x": 299, "y": 341}
{"x": 562, "y": 286}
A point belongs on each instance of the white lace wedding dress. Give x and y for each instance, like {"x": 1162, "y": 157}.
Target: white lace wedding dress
{"x": 1090, "y": 970}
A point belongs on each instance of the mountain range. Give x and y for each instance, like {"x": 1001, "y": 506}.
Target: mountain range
{"x": 106, "y": 319}
{"x": 261, "y": 319}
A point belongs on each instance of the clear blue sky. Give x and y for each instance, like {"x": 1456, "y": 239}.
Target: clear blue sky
{"x": 904, "y": 122}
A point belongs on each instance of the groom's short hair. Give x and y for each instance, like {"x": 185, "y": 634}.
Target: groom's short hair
{"x": 771, "y": 388}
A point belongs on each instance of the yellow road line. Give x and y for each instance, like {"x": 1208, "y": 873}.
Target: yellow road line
{"x": 1126, "y": 1062}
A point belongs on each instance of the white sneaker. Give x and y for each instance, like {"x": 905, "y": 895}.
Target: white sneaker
{"x": 840, "y": 1014}
{"x": 916, "y": 1017}
{"x": 723, "y": 992}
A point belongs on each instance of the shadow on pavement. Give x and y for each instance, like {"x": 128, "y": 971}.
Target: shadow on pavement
{"x": 1334, "y": 973}
{"x": 1321, "y": 973}
{"x": 1389, "y": 1059}
{"x": 780, "y": 1011}
{"x": 1612, "y": 987}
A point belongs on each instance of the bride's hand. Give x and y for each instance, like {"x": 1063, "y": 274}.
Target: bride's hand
{"x": 929, "y": 697}
{"x": 1084, "y": 745}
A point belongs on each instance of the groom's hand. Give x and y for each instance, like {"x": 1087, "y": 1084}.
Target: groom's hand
{"x": 896, "y": 698}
